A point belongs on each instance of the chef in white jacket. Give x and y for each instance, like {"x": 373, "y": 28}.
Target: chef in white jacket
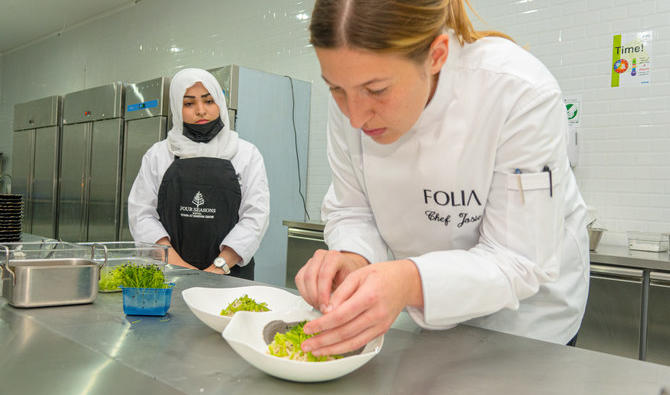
{"x": 451, "y": 196}
{"x": 203, "y": 191}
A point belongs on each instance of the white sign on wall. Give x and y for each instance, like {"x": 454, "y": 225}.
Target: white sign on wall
{"x": 573, "y": 108}
{"x": 631, "y": 59}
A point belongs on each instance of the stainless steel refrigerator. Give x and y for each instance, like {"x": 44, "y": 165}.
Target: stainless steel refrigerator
{"x": 35, "y": 162}
{"x": 272, "y": 112}
{"x": 146, "y": 118}
{"x": 90, "y": 171}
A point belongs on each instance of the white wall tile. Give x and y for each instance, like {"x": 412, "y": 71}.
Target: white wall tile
{"x": 624, "y": 170}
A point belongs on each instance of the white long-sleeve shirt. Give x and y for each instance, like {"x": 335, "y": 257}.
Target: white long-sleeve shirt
{"x": 254, "y": 210}
{"x": 500, "y": 250}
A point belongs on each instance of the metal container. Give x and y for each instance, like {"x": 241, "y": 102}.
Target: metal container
{"x": 595, "y": 234}
{"x": 49, "y": 274}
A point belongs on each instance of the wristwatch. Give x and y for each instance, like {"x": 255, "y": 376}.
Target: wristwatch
{"x": 221, "y": 263}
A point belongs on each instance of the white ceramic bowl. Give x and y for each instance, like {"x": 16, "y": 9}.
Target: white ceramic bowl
{"x": 245, "y": 336}
{"x": 207, "y": 303}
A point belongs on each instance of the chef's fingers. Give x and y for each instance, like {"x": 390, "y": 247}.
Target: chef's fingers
{"x": 332, "y": 263}
{"x": 350, "y": 340}
{"x": 306, "y": 279}
{"x": 344, "y": 312}
{"x": 344, "y": 291}
{"x": 347, "y": 329}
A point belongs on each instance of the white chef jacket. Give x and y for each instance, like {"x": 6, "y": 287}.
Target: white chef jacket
{"x": 499, "y": 250}
{"x": 254, "y": 210}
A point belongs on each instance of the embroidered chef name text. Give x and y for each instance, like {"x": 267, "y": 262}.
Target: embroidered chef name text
{"x": 460, "y": 198}
{"x": 463, "y": 218}
{"x": 452, "y": 198}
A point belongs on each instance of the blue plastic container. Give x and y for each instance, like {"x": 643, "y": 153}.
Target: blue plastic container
{"x": 147, "y": 301}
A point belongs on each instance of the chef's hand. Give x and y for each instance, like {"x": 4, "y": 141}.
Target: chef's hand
{"x": 364, "y": 306}
{"x": 323, "y": 273}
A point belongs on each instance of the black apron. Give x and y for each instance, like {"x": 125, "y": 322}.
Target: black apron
{"x": 198, "y": 204}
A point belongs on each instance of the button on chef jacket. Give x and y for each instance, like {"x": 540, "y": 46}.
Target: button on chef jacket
{"x": 494, "y": 249}
{"x": 143, "y": 218}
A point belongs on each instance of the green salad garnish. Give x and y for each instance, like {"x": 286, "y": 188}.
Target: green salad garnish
{"x": 244, "y": 303}
{"x": 287, "y": 345}
{"x": 110, "y": 279}
{"x": 141, "y": 276}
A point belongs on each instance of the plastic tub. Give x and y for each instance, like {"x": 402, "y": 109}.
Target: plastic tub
{"x": 646, "y": 241}
{"x": 123, "y": 252}
{"x": 147, "y": 301}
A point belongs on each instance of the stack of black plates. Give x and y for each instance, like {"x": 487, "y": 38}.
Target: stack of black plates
{"x": 11, "y": 217}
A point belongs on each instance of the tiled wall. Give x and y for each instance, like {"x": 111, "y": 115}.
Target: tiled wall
{"x": 624, "y": 137}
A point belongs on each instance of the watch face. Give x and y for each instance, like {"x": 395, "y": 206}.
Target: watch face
{"x": 219, "y": 262}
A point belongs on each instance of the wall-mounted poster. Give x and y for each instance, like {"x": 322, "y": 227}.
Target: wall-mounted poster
{"x": 631, "y": 59}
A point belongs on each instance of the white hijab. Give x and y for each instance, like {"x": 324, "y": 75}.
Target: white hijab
{"x": 224, "y": 144}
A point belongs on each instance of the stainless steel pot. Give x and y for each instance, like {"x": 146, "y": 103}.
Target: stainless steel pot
{"x": 60, "y": 274}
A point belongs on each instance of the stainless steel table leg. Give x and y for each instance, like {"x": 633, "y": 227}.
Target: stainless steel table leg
{"x": 643, "y": 316}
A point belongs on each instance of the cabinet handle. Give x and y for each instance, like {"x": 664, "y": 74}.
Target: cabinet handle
{"x": 602, "y": 270}
{"x": 659, "y": 278}
{"x": 305, "y": 234}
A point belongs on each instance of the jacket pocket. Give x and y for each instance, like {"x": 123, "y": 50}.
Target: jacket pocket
{"x": 535, "y": 219}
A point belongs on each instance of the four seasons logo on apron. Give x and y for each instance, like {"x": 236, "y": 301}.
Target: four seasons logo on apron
{"x": 197, "y": 211}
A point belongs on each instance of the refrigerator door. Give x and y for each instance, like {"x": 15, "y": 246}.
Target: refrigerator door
{"x": 74, "y": 172}
{"x": 45, "y": 182}
{"x": 37, "y": 113}
{"x": 147, "y": 99}
{"x": 228, "y": 77}
{"x": 93, "y": 104}
{"x": 141, "y": 134}
{"x": 658, "y": 329}
{"x": 22, "y": 170}
{"x": 269, "y": 106}
{"x": 104, "y": 181}
{"x": 611, "y": 322}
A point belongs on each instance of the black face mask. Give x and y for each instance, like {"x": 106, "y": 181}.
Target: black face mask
{"x": 204, "y": 132}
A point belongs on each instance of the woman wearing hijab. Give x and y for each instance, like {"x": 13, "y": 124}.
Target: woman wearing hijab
{"x": 203, "y": 191}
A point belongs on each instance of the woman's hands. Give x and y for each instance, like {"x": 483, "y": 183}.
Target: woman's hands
{"x": 173, "y": 256}
{"x": 214, "y": 269}
{"x": 231, "y": 257}
{"x": 364, "y": 304}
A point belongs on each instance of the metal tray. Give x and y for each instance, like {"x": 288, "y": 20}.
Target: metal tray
{"x": 49, "y": 274}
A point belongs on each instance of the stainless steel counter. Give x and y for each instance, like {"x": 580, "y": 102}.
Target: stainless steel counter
{"x": 96, "y": 349}
{"x": 621, "y": 256}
